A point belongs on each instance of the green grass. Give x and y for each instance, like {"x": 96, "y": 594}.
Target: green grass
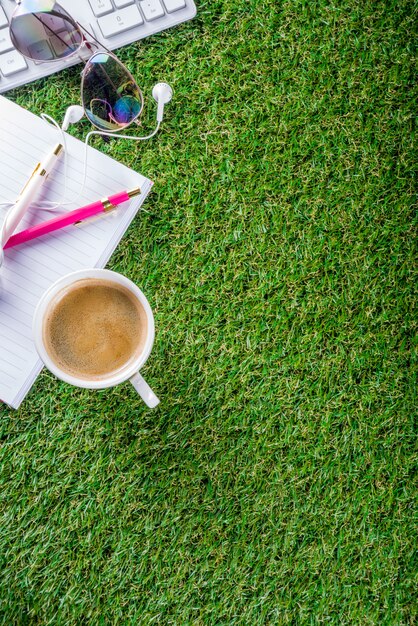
{"x": 274, "y": 484}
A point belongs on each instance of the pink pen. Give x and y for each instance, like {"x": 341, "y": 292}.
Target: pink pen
{"x": 103, "y": 205}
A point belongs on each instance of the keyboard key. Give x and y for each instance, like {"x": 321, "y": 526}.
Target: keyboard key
{"x": 3, "y": 18}
{"x": 119, "y": 4}
{"x": 61, "y": 42}
{"x": 53, "y": 24}
{"x": 5, "y": 41}
{"x": 174, "y": 5}
{"x": 101, "y": 7}
{"x": 151, "y": 9}
{"x": 119, "y": 21}
{"x": 11, "y": 63}
{"x": 41, "y": 51}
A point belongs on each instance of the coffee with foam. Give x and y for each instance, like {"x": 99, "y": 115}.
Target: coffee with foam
{"x": 94, "y": 328}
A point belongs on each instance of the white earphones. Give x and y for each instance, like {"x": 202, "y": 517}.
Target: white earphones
{"x": 73, "y": 115}
{"x": 161, "y": 92}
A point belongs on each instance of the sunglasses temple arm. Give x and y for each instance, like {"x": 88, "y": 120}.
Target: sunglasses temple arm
{"x": 83, "y": 30}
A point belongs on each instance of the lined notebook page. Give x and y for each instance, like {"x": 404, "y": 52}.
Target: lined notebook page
{"x": 29, "y": 269}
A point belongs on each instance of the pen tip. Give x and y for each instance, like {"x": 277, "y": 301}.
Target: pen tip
{"x": 134, "y": 192}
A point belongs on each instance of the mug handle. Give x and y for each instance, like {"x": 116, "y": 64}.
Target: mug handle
{"x": 144, "y": 390}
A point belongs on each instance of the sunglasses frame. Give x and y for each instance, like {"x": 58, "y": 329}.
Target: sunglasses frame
{"x": 84, "y": 73}
{"x": 88, "y": 44}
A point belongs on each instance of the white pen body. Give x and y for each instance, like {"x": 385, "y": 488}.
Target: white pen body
{"x": 30, "y": 191}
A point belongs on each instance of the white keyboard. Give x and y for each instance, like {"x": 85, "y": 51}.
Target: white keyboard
{"x": 114, "y": 23}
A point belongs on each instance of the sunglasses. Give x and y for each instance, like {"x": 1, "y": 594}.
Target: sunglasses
{"x": 41, "y": 30}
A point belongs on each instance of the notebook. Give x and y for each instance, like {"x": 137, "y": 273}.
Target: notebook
{"x": 29, "y": 269}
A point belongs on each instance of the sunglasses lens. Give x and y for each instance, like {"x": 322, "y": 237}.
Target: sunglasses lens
{"x": 45, "y": 33}
{"x": 111, "y": 97}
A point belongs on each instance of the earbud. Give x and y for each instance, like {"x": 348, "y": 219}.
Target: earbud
{"x": 72, "y": 115}
{"x": 162, "y": 93}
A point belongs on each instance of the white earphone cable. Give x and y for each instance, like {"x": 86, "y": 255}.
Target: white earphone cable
{"x": 116, "y": 136}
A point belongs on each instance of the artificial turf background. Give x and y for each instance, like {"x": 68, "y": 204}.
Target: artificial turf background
{"x": 274, "y": 484}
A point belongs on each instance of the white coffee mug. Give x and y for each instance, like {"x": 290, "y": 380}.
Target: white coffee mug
{"x": 130, "y": 372}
